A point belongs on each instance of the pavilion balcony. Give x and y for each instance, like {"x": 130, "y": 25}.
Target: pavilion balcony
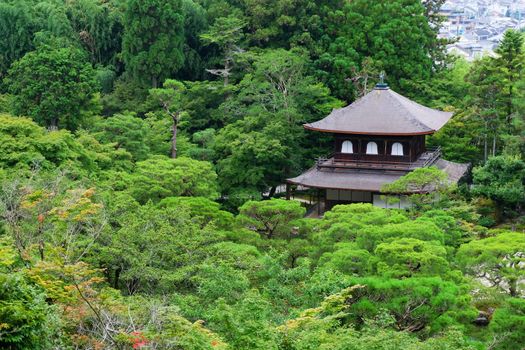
{"x": 379, "y": 162}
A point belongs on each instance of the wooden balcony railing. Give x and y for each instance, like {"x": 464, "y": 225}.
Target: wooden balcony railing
{"x": 426, "y": 159}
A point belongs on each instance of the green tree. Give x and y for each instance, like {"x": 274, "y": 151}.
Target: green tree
{"x": 126, "y": 132}
{"x": 329, "y": 325}
{"x": 153, "y": 39}
{"x": 508, "y": 324}
{"x": 159, "y": 177}
{"x": 16, "y": 22}
{"x": 497, "y": 260}
{"x": 167, "y": 252}
{"x": 226, "y": 33}
{"x": 98, "y": 27}
{"x": 55, "y": 87}
{"x": 497, "y": 96}
{"x": 24, "y": 146}
{"x": 406, "y": 257}
{"x": 266, "y": 138}
{"x": 271, "y": 218}
{"x": 501, "y": 179}
{"x": 348, "y": 258}
{"x": 202, "y": 210}
{"x": 170, "y": 97}
{"x": 245, "y": 324}
{"x": 510, "y": 66}
{"x": 28, "y": 321}
{"x": 422, "y": 186}
{"x": 395, "y": 35}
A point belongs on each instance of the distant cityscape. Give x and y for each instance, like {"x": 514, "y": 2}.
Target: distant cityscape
{"x": 478, "y": 25}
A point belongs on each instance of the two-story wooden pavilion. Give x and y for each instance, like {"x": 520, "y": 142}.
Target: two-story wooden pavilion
{"x": 377, "y": 139}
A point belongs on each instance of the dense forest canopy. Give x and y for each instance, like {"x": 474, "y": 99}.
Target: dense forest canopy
{"x": 142, "y": 144}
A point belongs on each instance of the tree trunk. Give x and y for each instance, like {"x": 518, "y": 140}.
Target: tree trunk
{"x": 174, "y": 137}
{"x": 226, "y": 71}
{"x": 509, "y": 106}
{"x": 154, "y": 82}
{"x": 273, "y": 189}
{"x": 485, "y": 148}
{"x": 117, "y": 277}
{"x": 513, "y": 288}
{"x": 494, "y": 146}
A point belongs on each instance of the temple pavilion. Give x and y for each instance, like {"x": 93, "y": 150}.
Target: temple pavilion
{"x": 377, "y": 139}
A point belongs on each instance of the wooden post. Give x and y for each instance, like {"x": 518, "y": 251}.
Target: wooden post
{"x": 288, "y": 190}
{"x": 318, "y": 202}
{"x": 410, "y": 146}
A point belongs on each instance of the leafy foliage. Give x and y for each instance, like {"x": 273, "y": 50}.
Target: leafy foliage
{"x": 54, "y": 86}
{"x": 106, "y": 243}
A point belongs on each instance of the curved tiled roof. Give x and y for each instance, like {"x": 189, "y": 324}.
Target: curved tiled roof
{"x": 383, "y": 112}
{"x": 367, "y": 180}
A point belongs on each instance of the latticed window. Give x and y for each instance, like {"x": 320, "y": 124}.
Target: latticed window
{"x": 371, "y": 148}
{"x": 397, "y": 149}
{"x": 347, "y": 147}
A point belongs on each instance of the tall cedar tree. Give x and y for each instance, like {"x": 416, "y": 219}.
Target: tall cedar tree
{"x": 152, "y": 46}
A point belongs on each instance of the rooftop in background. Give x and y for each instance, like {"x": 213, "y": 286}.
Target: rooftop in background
{"x": 382, "y": 112}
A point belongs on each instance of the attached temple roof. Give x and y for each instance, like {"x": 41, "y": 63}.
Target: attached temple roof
{"x": 382, "y": 112}
{"x": 369, "y": 180}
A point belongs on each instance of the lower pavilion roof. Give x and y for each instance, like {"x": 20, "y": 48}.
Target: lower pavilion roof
{"x": 366, "y": 180}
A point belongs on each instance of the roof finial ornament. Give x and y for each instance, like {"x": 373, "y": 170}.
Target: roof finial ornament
{"x": 382, "y": 85}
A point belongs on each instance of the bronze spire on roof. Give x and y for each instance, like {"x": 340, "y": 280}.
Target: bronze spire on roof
{"x": 382, "y": 112}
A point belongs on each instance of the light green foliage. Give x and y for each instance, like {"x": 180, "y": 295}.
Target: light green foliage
{"x": 240, "y": 321}
{"x": 452, "y": 222}
{"x": 414, "y": 303}
{"x": 203, "y": 210}
{"x": 159, "y": 177}
{"x": 25, "y": 145}
{"x": 168, "y": 330}
{"x": 419, "y": 180}
{"x": 282, "y": 283}
{"x": 103, "y": 207}
{"x": 326, "y": 327}
{"x": 272, "y": 218}
{"x": 422, "y": 185}
{"x": 54, "y": 86}
{"x": 498, "y": 260}
{"x": 346, "y": 222}
{"x": 508, "y": 323}
{"x": 406, "y": 257}
{"x": 348, "y": 259}
{"x": 153, "y": 39}
{"x": 126, "y": 132}
{"x": 164, "y": 255}
{"x": 370, "y": 237}
{"x": 26, "y": 320}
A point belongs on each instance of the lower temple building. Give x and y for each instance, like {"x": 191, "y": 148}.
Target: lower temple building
{"x": 377, "y": 139}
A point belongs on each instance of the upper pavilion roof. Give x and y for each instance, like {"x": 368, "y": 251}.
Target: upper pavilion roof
{"x": 382, "y": 112}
